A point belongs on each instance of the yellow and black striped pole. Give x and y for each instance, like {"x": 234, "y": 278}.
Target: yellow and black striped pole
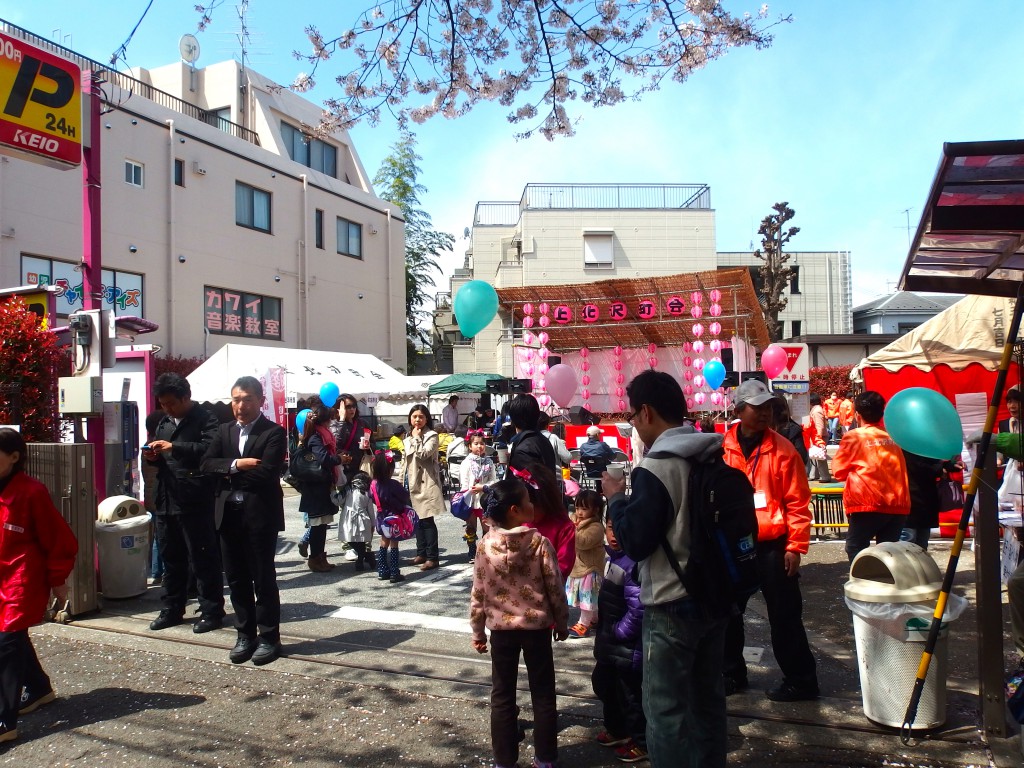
{"x": 965, "y": 516}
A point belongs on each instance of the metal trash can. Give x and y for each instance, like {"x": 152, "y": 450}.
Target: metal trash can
{"x": 123, "y": 548}
{"x": 892, "y": 592}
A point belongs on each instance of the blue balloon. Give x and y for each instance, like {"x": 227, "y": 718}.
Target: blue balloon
{"x": 300, "y": 419}
{"x": 475, "y": 305}
{"x": 924, "y": 422}
{"x": 714, "y": 373}
{"x": 329, "y": 393}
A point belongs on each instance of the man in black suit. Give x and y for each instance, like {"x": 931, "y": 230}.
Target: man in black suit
{"x": 248, "y": 457}
{"x": 185, "y": 529}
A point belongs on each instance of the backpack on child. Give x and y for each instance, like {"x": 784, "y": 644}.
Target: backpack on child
{"x": 722, "y": 567}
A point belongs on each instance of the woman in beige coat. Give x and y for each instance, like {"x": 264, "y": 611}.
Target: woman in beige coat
{"x": 421, "y": 473}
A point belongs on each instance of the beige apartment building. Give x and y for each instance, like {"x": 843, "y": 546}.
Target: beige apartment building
{"x": 225, "y": 218}
{"x": 558, "y": 234}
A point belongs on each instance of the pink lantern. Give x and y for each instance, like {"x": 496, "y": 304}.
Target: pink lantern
{"x": 774, "y": 360}
{"x": 620, "y": 378}
{"x": 689, "y": 403}
{"x": 543, "y": 353}
{"x": 545, "y": 321}
{"x": 716, "y": 345}
{"x": 529, "y": 370}
{"x": 527, "y": 308}
{"x": 716, "y": 398}
{"x": 584, "y": 353}
{"x": 585, "y": 393}
{"x": 617, "y": 351}
{"x": 688, "y": 374}
{"x": 617, "y": 365}
{"x": 695, "y": 312}
{"x": 698, "y": 346}
{"x": 529, "y": 337}
{"x": 542, "y": 369}
{"x": 543, "y": 309}
{"x": 715, "y": 310}
{"x": 696, "y": 297}
{"x": 687, "y": 347}
{"x": 618, "y": 311}
{"x": 715, "y": 328}
{"x": 542, "y": 383}
{"x": 591, "y": 313}
{"x": 688, "y": 389}
{"x": 544, "y": 401}
{"x": 699, "y": 398}
{"x": 563, "y": 316}
{"x": 652, "y": 348}
{"x": 698, "y": 381}
{"x": 646, "y": 309}
{"x": 699, "y": 363}
{"x": 619, "y": 391}
{"x": 585, "y": 379}
{"x": 675, "y": 306}
{"x": 543, "y": 336}
{"x": 698, "y": 329}
{"x": 715, "y": 294}
{"x": 527, "y": 322}
{"x": 622, "y": 406}
{"x": 585, "y": 366}
{"x": 687, "y": 361}
{"x": 522, "y": 353}
{"x": 652, "y": 361}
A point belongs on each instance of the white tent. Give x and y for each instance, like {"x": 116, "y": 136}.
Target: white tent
{"x": 306, "y": 370}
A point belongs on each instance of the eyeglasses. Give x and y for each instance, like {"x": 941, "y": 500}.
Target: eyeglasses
{"x": 634, "y": 414}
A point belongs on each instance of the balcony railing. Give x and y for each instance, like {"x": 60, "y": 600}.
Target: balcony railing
{"x": 130, "y": 84}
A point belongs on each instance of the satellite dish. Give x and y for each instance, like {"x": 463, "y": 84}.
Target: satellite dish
{"x": 188, "y": 46}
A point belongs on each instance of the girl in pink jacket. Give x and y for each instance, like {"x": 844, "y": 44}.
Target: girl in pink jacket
{"x": 518, "y": 595}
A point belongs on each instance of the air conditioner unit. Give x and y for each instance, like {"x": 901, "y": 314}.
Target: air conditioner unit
{"x": 197, "y": 168}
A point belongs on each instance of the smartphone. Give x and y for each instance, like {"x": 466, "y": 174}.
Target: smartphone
{"x": 147, "y": 447}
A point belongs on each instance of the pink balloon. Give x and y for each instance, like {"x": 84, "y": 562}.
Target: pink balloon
{"x": 527, "y": 308}
{"x": 716, "y": 398}
{"x": 689, "y": 403}
{"x": 696, "y": 297}
{"x": 653, "y": 361}
{"x": 698, "y": 329}
{"x": 543, "y": 309}
{"x": 542, "y": 369}
{"x": 584, "y": 353}
{"x": 561, "y": 384}
{"x": 715, "y": 328}
{"x": 687, "y": 361}
{"x": 652, "y": 348}
{"x": 715, "y": 310}
{"x": 715, "y": 294}
{"x": 619, "y": 391}
{"x": 543, "y": 353}
{"x": 617, "y": 351}
{"x": 699, "y": 363}
{"x": 545, "y": 321}
{"x": 584, "y": 379}
{"x": 699, "y": 398}
{"x": 585, "y": 393}
{"x": 688, "y": 374}
{"x": 527, "y": 322}
{"x": 584, "y": 366}
{"x": 688, "y": 389}
{"x": 774, "y": 360}
{"x": 617, "y": 365}
{"x": 695, "y": 311}
{"x": 620, "y": 379}
{"x": 543, "y": 336}
{"x": 716, "y": 345}
{"x": 622, "y": 405}
{"x": 698, "y": 346}
{"x": 698, "y": 381}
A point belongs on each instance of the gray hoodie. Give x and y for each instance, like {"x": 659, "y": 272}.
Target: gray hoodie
{"x": 656, "y": 510}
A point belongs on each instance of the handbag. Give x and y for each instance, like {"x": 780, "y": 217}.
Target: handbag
{"x": 305, "y": 466}
{"x": 462, "y": 506}
{"x": 397, "y": 526}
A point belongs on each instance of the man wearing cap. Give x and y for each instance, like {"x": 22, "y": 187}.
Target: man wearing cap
{"x": 782, "y": 500}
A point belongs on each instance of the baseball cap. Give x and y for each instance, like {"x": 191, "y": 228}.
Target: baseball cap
{"x": 593, "y": 431}
{"x": 752, "y": 392}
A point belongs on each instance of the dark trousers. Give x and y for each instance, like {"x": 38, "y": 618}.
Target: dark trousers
{"x": 317, "y": 539}
{"x": 865, "y": 526}
{"x": 535, "y": 645}
{"x": 19, "y": 667}
{"x": 190, "y": 541}
{"x": 426, "y": 539}
{"x": 620, "y": 690}
{"x": 785, "y": 616}
{"x": 248, "y": 550}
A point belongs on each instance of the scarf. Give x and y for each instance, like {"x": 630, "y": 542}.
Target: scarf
{"x": 331, "y": 445}
{"x": 481, "y": 467}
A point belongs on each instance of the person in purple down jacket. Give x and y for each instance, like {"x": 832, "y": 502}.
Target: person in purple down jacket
{"x": 618, "y": 673}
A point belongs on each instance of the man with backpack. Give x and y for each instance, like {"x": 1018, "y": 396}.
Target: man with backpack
{"x": 782, "y": 500}
{"x": 683, "y": 637}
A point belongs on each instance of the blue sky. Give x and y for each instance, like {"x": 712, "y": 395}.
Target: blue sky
{"x": 843, "y": 117}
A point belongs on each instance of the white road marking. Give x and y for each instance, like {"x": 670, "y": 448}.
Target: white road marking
{"x": 403, "y": 619}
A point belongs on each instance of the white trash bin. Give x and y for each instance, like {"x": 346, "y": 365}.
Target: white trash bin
{"x": 123, "y": 547}
{"x": 892, "y": 591}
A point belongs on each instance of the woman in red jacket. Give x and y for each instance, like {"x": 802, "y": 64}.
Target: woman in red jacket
{"x": 37, "y": 552}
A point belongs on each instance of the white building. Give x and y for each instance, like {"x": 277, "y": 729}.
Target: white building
{"x": 224, "y": 219}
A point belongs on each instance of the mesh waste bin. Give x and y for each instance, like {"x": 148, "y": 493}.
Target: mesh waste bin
{"x": 892, "y": 592}
{"x": 123, "y": 548}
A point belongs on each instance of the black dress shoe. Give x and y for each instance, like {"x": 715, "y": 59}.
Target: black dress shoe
{"x": 787, "y": 691}
{"x": 207, "y": 624}
{"x": 266, "y": 653}
{"x": 244, "y": 648}
{"x": 165, "y": 619}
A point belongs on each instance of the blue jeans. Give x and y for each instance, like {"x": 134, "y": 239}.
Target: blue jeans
{"x": 684, "y": 695}
{"x": 919, "y": 536}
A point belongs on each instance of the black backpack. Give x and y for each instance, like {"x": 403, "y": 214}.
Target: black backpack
{"x": 722, "y": 568}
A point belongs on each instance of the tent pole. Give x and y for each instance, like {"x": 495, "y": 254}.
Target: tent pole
{"x": 995, "y": 727}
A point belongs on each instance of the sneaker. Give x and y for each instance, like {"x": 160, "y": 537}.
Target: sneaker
{"x": 8, "y": 734}
{"x": 605, "y": 739}
{"x": 786, "y": 691}
{"x": 166, "y": 618}
{"x": 630, "y": 753}
{"x": 31, "y": 702}
{"x": 351, "y": 556}
{"x": 580, "y": 630}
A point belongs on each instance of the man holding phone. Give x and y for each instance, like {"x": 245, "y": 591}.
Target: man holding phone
{"x": 248, "y": 456}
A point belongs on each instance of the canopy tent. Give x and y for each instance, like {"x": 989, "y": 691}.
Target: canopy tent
{"x": 305, "y": 371}
{"x": 475, "y": 383}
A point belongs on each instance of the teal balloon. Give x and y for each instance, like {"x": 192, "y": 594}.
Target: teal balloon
{"x": 714, "y": 373}
{"x": 924, "y": 422}
{"x": 300, "y": 419}
{"x": 329, "y": 393}
{"x": 475, "y": 305}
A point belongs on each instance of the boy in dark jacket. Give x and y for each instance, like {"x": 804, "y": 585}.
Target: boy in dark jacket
{"x": 618, "y": 674}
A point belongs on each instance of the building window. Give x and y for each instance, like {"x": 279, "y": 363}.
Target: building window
{"x": 310, "y": 152}
{"x": 794, "y": 280}
{"x": 350, "y": 238}
{"x": 252, "y": 207}
{"x": 179, "y": 173}
{"x": 797, "y": 327}
{"x": 133, "y": 173}
{"x": 221, "y": 119}
{"x": 318, "y": 226}
{"x": 757, "y": 280}
{"x": 598, "y": 249}
{"x": 121, "y": 291}
{"x": 236, "y": 313}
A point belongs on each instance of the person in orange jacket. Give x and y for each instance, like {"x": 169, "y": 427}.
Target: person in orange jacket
{"x": 846, "y": 414}
{"x": 782, "y": 499}
{"x": 832, "y": 414}
{"x": 877, "y": 496}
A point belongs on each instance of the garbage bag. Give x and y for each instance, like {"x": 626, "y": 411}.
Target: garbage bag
{"x": 906, "y": 621}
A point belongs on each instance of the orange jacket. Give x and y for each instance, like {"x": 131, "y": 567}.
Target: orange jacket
{"x": 846, "y": 412}
{"x": 874, "y": 470}
{"x": 776, "y": 469}
{"x": 831, "y": 407}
